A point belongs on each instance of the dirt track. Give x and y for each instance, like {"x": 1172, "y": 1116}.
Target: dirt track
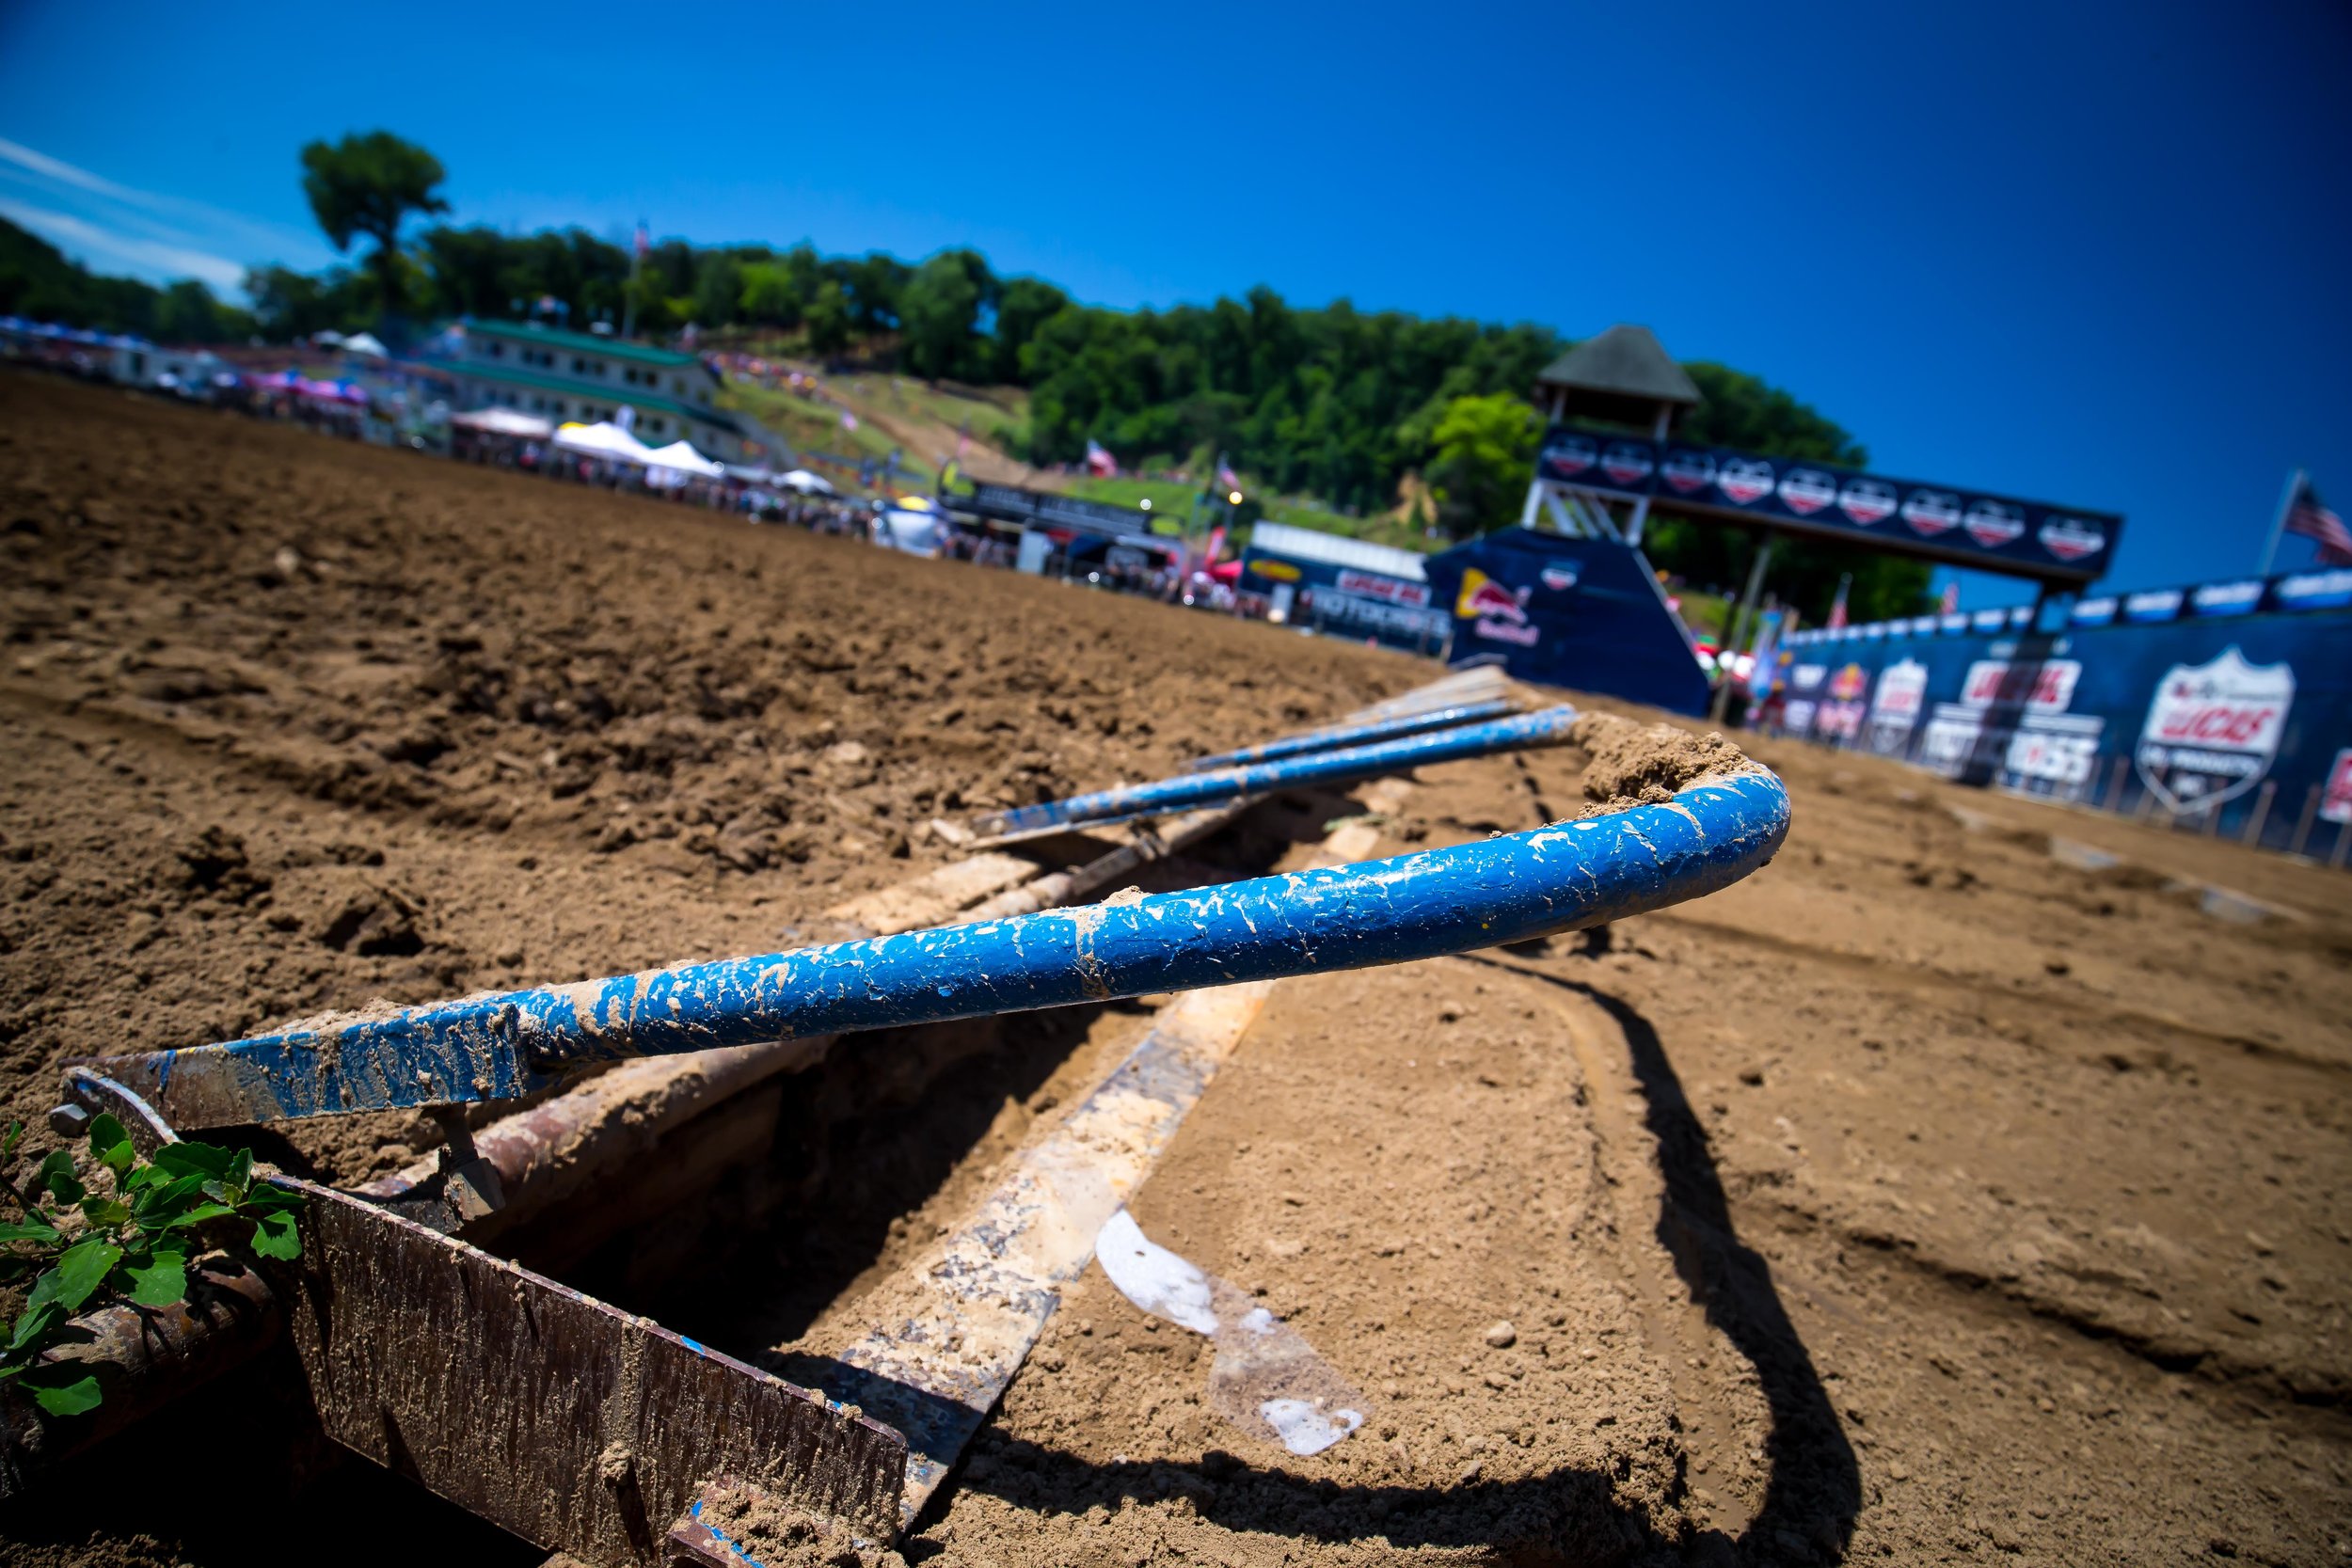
{"x": 1922, "y": 1197}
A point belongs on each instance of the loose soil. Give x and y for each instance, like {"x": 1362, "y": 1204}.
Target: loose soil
{"x": 1922, "y": 1197}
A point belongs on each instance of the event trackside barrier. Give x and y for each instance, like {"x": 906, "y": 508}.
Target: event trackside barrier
{"x": 2225, "y": 708}
{"x": 1510, "y": 888}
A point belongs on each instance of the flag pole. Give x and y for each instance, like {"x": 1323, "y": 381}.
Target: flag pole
{"x": 2295, "y": 482}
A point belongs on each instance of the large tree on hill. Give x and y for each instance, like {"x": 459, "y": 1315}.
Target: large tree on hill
{"x": 368, "y": 185}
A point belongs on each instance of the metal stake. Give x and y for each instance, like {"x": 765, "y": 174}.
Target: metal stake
{"x": 2262, "y": 813}
{"x": 2303, "y": 823}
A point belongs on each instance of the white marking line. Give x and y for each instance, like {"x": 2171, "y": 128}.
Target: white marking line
{"x": 1263, "y": 1368}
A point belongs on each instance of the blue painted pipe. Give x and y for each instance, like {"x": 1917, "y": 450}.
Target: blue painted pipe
{"x": 1353, "y": 735}
{"x": 1497, "y": 890}
{"x": 1349, "y": 765}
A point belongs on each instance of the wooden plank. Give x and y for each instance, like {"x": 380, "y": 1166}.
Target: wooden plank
{"x": 946, "y": 1332}
{"x": 934, "y": 899}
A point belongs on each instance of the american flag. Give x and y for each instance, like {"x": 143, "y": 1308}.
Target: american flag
{"x": 1836, "y": 621}
{"x": 1100, "y": 462}
{"x": 2309, "y": 516}
{"x": 1226, "y": 478}
{"x": 1951, "y": 599}
{"x": 645, "y": 240}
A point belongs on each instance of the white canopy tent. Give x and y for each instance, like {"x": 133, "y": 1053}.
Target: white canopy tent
{"x": 807, "y": 483}
{"x": 505, "y": 421}
{"x": 604, "y": 439}
{"x": 679, "y": 457}
{"x": 367, "y": 346}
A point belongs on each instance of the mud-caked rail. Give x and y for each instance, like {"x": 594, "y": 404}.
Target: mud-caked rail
{"x": 1350, "y": 764}
{"x": 1340, "y": 737}
{"x": 500, "y": 1046}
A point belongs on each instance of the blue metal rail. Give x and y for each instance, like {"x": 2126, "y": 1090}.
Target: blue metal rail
{"x": 1351, "y": 765}
{"x": 1353, "y": 735}
{"x": 1504, "y": 889}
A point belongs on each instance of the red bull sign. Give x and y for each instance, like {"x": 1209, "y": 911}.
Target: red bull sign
{"x": 1495, "y": 612}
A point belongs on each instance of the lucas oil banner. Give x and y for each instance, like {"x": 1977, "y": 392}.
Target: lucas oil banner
{"x": 2192, "y": 717}
{"x": 1965, "y": 528}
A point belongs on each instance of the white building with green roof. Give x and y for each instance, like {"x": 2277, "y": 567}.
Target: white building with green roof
{"x": 576, "y": 376}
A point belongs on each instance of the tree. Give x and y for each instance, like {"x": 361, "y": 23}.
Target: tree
{"x": 36, "y": 280}
{"x": 468, "y": 270}
{"x": 874, "y": 282}
{"x": 940, "y": 312}
{"x": 1023, "y": 306}
{"x": 829, "y": 321}
{"x": 289, "y": 304}
{"x": 186, "y": 313}
{"x": 770, "y": 297}
{"x": 717, "y": 285}
{"x": 1481, "y": 455}
{"x": 368, "y": 185}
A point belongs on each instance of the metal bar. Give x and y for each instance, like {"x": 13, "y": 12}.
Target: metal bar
{"x": 579, "y": 1428}
{"x": 1352, "y": 734}
{"x": 560, "y": 1146}
{"x": 1349, "y": 765}
{"x": 1509, "y": 888}
{"x": 547, "y": 1154}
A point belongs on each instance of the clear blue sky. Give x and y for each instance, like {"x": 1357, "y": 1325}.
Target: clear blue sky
{"x": 2092, "y": 254}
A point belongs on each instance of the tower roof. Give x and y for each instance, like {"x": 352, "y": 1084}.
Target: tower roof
{"x": 1624, "y": 361}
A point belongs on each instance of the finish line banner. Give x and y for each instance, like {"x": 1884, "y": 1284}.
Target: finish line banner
{"x": 1964, "y": 528}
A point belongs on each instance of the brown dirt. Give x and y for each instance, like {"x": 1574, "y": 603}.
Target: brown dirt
{"x": 1632, "y": 764}
{"x": 1920, "y": 1198}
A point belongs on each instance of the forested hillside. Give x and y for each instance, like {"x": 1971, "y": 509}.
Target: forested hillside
{"x": 1332, "y": 402}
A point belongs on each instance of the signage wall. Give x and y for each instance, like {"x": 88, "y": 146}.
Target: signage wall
{"x": 1966, "y": 528}
{"x": 2191, "y": 715}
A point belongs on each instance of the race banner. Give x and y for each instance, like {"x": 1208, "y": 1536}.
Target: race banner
{"x": 1967, "y": 528}
{"x": 2190, "y": 716}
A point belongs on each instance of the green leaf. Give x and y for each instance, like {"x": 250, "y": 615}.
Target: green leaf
{"x": 268, "y": 1195}
{"x": 198, "y": 1214}
{"x": 155, "y": 1207}
{"x": 32, "y": 1228}
{"x": 274, "y": 1236}
{"x": 187, "y": 1159}
{"x": 62, "y": 1387}
{"x": 105, "y": 1132}
{"x": 81, "y": 1269}
{"x": 106, "y": 1213}
{"x": 9, "y": 1139}
{"x": 34, "y": 1326}
{"x": 240, "y": 1176}
{"x": 157, "y": 1278}
{"x": 56, "y": 1174}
